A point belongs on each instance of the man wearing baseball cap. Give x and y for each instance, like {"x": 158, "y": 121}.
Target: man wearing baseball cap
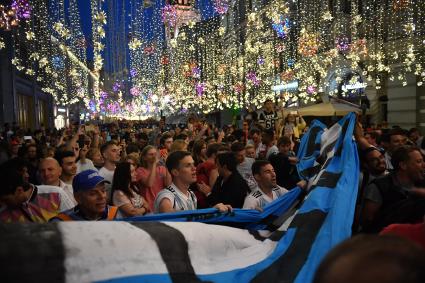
{"x": 91, "y": 196}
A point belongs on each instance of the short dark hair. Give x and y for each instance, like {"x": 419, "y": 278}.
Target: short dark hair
{"x": 132, "y": 147}
{"x": 254, "y": 131}
{"x": 283, "y": 141}
{"x": 181, "y": 136}
{"x": 269, "y": 133}
{"x": 257, "y": 165}
{"x": 396, "y": 131}
{"x": 10, "y": 179}
{"x": 164, "y": 137}
{"x": 173, "y": 160}
{"x": 401, "y": 154}
{"x": 61, "y": 154}
{"x": 268, "y": 100}
{"x": 403, "y": 259}
{"x": 237, "y": 147}
{"x": 213, "y": 149}
{"x": 228, "y": 159}
{"x": 105, "y": 146}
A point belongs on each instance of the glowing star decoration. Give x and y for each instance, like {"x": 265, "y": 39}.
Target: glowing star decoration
{"x": 221, "y": 31}
{"x": 282, "y": 27}
{"x": 409, "y": 28}
{"x": 342, "y": 43}
{"x": 135, "y": 91}
{"x": 29, "y": 35}
{"x": 238, "y": 87}
{"x": 100, "y": 18}
{"x": 291, "y": 62}
{"x": 280, "y": 48}
{"x": 149, "y": 50}
{"x": 311, "y": 89}
{"x": 134, "y": 44}
{"x": 287, "y": 75}
{"x": 169, "y": 15}
{"x": 327, "y": 16}
{"x": 133, "y": 73}
{"x": 116, "y": 87}
{"x": 308, "y": 44}
{"x": 357, "y": 19}
{"x": 260, "y": 61}
{"x": 221, "y": 6}
{"x": 2, "y": 44}
{"x": 165, "y": 60}
{"x": 252, "y": 77}
{"x": 196, "y": 72}
{"x": 191, "y": 24}
{"x": 200, "y": 88}
{"x": 22, "y": 8}
{"x": 399, "y": 5}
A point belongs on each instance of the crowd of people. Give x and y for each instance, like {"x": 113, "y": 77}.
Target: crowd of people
{"x": 125, "y": 169}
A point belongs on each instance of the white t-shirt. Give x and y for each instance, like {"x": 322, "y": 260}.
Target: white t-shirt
{"x": 69, "y": 191}
{"x": 108, "y": 175}
{"x": 179, "y": 200}
{"x": 259, "y": 199}
{"x": 66, "y": 202}
{"x": 88, "y": 165}
{"x": 245, "y": 169}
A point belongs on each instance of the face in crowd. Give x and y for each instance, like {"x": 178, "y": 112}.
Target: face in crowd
{"x": 250, "y": 152}
{"x": 375, "y": 162}
{"x": 186, "y": 172}
{"x": 93, "y": 201}
{"x": 50, "y": 172}
{"x": 267, "y": 177}
{"x": 415, "y": 166}
{"x": 167, "y": 143}
{"x": 396, "y": 141}
{"x": 240, "y": 156}
{"x": 69, "y": 167}
{"x": 269, "y": 106}
{"x": 112, "y": 154}
{"x": 285, "y": 148}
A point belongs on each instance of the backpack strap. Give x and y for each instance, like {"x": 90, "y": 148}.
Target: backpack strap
{"x": 112, "y": 212}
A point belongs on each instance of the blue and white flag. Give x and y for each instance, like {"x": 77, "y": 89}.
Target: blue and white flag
{"x": 283, "y": 243}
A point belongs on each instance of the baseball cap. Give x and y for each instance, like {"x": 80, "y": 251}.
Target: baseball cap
{"x": 87, "y": 180}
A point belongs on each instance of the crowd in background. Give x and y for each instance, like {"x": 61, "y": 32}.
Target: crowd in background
{"x": 127, "y": 168}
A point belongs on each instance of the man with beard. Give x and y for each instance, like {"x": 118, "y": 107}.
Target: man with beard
{"x": 268, "y": 190}
{"x": 66, "y": 160}
{"x": 392, "y": 198}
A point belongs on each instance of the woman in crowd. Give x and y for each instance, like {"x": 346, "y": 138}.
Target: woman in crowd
{"x": 199, "y": 151}
{"x": 293, "y": 126}
{"x": 151, "y": 177}
{"x": 207, "y": 173}
{"x": 124, "y": 191}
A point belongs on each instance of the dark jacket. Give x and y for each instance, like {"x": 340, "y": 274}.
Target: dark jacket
{"x": 232, "y": 191}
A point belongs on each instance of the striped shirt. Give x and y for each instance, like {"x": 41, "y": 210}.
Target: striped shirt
{"x": 179, "y": 200}
{"x": 259, "y": 199}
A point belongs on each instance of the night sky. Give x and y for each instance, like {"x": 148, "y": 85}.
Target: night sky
{"x": 204, "y": 6}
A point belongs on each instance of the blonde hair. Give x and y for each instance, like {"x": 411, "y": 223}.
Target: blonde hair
{"x": 249, "y": 146}
{"x": 134, "y": 156}
{"x": 178, "y": 145}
